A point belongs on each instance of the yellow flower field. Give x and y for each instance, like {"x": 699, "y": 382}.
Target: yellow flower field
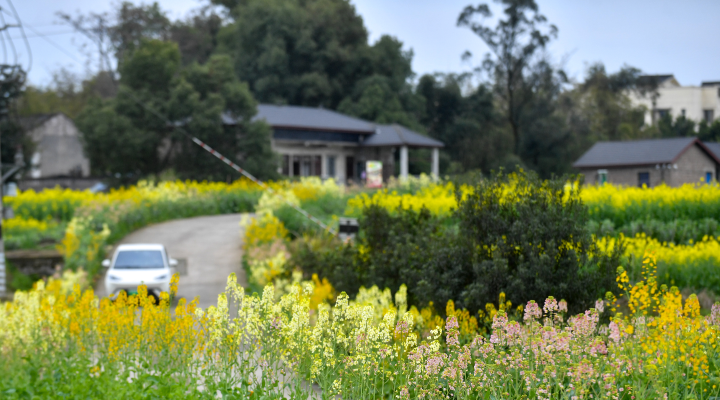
{"x": 56, "y": 340}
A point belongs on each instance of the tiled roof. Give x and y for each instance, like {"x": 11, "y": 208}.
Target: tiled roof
{"x": 31, "y": 122}
{"x": 308, "y": 118}
{"x": 638, "y": 152}
{"x": 398, "y": 135}
{"x": 320, "y": 119}
{"x": 714, "y": 148}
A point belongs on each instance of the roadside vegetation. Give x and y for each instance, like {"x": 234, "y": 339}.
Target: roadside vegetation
{"x": 57, "y": 341}
{"x": 504, "y": 289}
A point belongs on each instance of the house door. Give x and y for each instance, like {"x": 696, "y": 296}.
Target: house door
{"x": 349, "y": 168}
{"x": 643, "y": 179}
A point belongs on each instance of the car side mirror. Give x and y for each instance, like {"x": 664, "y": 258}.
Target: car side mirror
{"x": 173, "y": 262}
{"x": 106, "y": 263}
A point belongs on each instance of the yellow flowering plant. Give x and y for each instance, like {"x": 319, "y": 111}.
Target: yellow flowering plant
{"x": 59, "y": 341}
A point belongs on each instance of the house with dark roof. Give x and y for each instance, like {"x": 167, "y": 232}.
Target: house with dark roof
{"x": 325, "y": 143}
{"x": 311, "y": 142}
{"x": 650, "y": 162}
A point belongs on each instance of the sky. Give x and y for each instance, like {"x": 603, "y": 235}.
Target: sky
{"x": 657, "y": 36}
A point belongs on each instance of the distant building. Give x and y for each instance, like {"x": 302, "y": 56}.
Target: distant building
{"x": 325, "y": 143}
{"x": 650, "y": 162}
{"x": 58, "y": 158}
{"x": 698, "y": 103}
{"x": 310, "y": 141}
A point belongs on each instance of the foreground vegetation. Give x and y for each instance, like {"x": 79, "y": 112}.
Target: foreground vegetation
{"x": 320, "y": 318}
{"x": 59, "y": 342}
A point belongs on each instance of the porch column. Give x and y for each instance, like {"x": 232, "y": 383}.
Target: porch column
{"x": 323, "y": 166}
{"x": 435, "y": 163}
{"x": 403, "y": 162}
{"x": 290, "y": 165}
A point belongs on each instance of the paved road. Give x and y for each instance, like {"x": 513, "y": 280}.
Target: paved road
{"x": 211, "y": 246}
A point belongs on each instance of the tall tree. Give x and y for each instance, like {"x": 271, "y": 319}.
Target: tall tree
{"x": 514, "y": 45}
{"x": 316, "y": 53}
{"x": 127, "y": 136}
{"x": 466, "y": 123}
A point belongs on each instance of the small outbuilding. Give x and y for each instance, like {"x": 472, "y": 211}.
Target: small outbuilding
{"x": 650, "y": 162}
{"x": 58, "y": 158}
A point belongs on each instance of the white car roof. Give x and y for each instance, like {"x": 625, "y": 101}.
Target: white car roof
{"x": 140, "y": 246}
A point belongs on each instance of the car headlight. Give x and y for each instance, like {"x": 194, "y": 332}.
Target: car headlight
{"x": 161, "y": 277}
{"x": 113, "y": 278}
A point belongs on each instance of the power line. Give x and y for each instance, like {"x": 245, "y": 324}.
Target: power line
{"x": 22, "y": 31}
{"x": 57, "y": 46}
{"x": 44, "y": 34}
{"x": 206, "y": 147}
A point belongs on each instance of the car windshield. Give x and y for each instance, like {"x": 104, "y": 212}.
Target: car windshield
{"x": 135, "y": 259}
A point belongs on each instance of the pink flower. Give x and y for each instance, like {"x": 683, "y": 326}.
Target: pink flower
{"x": 402, "y": 327}
{"x": 451, "y": 323}
{"x": 584, "y": 324}
{"x": 600, "y": 306}
{"x": 551, "y": 305}
{"x": 499, "y": 321}
{"x": 562, "y": 306}
{"x": 614, "y": 332}
{"x": 532, "y": 311}
{"x": 598, "y": 347}
{"x": 715, "y": 314}
{"x": 433, "y": 365}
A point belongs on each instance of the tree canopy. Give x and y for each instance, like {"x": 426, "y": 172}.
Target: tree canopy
{"x": 516, "y": 108}
{"x": 129, "y": 136}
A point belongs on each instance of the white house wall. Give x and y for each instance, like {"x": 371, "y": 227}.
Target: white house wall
{"x": 693, "y": 99}
{"x": 295, "y": 150}
{"x": 58, "y": 150}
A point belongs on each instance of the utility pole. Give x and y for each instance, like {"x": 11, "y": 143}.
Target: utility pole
{"x": 12, "y": 79}
{"x": 3, "y": 272}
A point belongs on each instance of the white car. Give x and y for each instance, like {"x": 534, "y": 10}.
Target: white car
{"x": 133, "y": 265}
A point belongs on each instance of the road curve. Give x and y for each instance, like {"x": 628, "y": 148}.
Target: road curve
{"x": 211, "y": 245}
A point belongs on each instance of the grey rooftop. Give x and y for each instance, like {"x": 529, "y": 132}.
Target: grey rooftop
{"x": 296, "y": 117}
{"x": 638, "y": 152}
{"x": 714, "y": 148}
{"x": 398, "y": 135}
{"x": 321, "y": 119}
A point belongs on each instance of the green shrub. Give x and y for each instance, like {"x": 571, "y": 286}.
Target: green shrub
{"x": 529, "y": 242}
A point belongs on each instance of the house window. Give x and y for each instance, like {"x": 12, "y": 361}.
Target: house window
{"x": 331, "y": 166}
{"x": 682, "y": 112}
{"x": 602, "y": 176}
{"x": 306, "y": 166}
{"x": 643, "y": 179}
{"x": 708, "y": 177}
{"x": 662, "y": 113}
{"x": 295, "y": 165}
{"x": 708, "y": 115}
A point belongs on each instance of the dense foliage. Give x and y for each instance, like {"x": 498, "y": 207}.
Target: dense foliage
{"x": 137, "y": 132}
{"x": 515, "y": 108}
{"x": 516, "y": 235}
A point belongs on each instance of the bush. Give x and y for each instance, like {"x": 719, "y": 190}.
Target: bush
{"x": 513, "y": 234}
{"x": 528, "y": 239}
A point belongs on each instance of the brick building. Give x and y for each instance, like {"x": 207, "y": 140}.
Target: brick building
{"x": 673, "y": 161}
